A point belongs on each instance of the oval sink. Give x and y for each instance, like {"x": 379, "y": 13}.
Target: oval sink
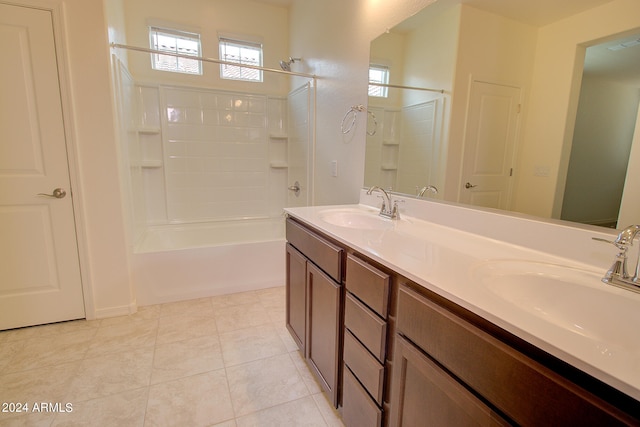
{"x": 356, "y": 218}
{"x": 571, "y": 299}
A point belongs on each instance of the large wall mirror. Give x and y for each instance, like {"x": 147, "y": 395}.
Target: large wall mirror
{"x": 537, "y": 111}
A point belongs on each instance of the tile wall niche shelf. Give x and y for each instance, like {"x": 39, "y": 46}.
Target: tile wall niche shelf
{"x": 390, "y": 142}
{"x": 149, "y": 130}
{"x": 151, "y": 164}
{"x": 389, "y": 167}
{"x": 278, "y": 165}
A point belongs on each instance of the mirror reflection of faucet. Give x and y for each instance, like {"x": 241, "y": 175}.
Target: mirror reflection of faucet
{"x": 618, "y": 274}
{"x": 423, "y": 190}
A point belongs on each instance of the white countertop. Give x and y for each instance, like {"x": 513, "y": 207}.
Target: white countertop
{"x": 448, "y": 261}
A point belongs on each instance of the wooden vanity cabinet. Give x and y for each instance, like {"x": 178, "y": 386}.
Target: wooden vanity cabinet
{"x": 296, "y": 296}
{"x": 450, "y": 372}
{"x": 389, "y": 352}
{"x": 366, "y": 315}
{"x": 314, "y": 269}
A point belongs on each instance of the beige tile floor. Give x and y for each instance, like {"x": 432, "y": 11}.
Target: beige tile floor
{"x": 220, "y": 361}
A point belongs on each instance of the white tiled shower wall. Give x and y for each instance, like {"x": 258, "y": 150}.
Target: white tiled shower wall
{"x": 212, "y": 155}
{"x": 404, "y": 138}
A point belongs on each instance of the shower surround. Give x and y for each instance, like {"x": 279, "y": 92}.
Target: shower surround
{"x": 207, "y": 172}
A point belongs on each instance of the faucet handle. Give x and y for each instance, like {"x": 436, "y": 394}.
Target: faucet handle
{"x": 621, "y": 244}
{"x": 619, "y": 267}
{"x": 395, "y": 213}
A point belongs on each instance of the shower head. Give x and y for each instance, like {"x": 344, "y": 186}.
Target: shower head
{"x": 286, "y": 65}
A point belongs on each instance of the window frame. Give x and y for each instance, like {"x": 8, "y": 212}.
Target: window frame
{"x": 382, "y": 90}
{"x": 155, "y": 30}
{"x": 240, "y": 43}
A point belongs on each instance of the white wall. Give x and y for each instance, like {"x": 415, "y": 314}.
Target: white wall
{"x": 244, "y": 18}
{"x": 554, "y": 96}
{"x": 334, "y": 36}
{"x": 493, "y": 49}
{"x": 102, "y": 237}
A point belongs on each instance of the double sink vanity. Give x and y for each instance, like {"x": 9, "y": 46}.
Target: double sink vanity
{"x": 451, "y": 316}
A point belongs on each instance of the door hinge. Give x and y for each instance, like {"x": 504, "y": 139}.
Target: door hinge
{"x": 511, "y": 172}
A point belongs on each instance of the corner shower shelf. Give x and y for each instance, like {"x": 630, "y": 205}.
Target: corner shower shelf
{"x": 391, "y": 142}
{"x": 151, "y": 164}
{"x": 278, "y": 165}
{"x": 389, "y": 167}
{"x": 149, "y": 130}
{"x": 278, "y": 136}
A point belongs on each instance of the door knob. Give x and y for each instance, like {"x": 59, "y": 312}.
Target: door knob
{"x": 58, "y": 193}
{"x": 469, "y": 185}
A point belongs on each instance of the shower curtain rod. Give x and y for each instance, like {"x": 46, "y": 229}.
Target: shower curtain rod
{"x": 215, "y": 61}
{"x": 406, "y": 87}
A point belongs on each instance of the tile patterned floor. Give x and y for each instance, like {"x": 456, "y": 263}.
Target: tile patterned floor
{"x": 220, "y": 361}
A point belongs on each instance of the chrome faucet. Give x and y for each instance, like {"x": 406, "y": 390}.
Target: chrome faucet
{"x": 431, "y": 188}
{"x": 386, "y": 210}
{"x": 618, "y": 274}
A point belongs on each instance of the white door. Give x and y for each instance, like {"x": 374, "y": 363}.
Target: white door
{"x": 39, "y": 266}
{"x": 489, "y": 146}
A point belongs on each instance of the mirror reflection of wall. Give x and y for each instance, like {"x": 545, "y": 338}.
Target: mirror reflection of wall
{"x": 456, "y": 46}
{"x": 409, "y": 151}
{"x": 443, "y": 47}
{"x": 603, "y": 133}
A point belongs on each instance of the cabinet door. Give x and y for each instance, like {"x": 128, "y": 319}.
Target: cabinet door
{"x": 296, "y": 287}
{"x": 425, "y": 395}
{"x": 323, "y": 329}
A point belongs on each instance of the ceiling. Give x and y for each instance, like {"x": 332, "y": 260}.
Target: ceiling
{"x": 623, "y": 64}
{"x": 535, "y": 12}
{"x": 285, "y": 3}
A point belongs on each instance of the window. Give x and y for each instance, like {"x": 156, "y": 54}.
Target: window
{"x": 378, "y": 74}
{"x": 240, "y": 52}
{"x": 174, "y": 41}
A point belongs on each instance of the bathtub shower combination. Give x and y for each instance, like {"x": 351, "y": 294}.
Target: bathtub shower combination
{"x": 208, "y": 173}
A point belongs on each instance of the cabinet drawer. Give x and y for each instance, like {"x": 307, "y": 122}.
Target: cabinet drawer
{"x": 425, "y": 395}
{"x": 524, "y": 390}
{"x": 364, "y": 324}
{"x": 358, "y": 409}
{"x": 365, "y": 367}
{"x": 320, "y": 251}
{"x": 369, "y": 284}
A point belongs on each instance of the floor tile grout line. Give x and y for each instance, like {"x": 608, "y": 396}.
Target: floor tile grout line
{"x": 267, "y": 302}
{"x": 153, "y": 359}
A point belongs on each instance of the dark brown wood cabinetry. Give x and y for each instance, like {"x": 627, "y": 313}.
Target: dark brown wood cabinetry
{"x": 314, "y": 302}
{"x": 297, "y": 297}
{"x": 323, "y": 333}
{"x": 366, "y": 314}
{"x": 390, "y": 352}
{"x": 465, "y": 374}
{"x": 425, "y": 395}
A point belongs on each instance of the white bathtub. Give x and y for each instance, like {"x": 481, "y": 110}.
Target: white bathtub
{"x": 178, "y": 262}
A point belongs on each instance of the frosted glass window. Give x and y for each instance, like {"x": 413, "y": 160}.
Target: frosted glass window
{"x": 378, "y": 74}
{"x": 174, "y": 41}
{"x": 243, "y": 53}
